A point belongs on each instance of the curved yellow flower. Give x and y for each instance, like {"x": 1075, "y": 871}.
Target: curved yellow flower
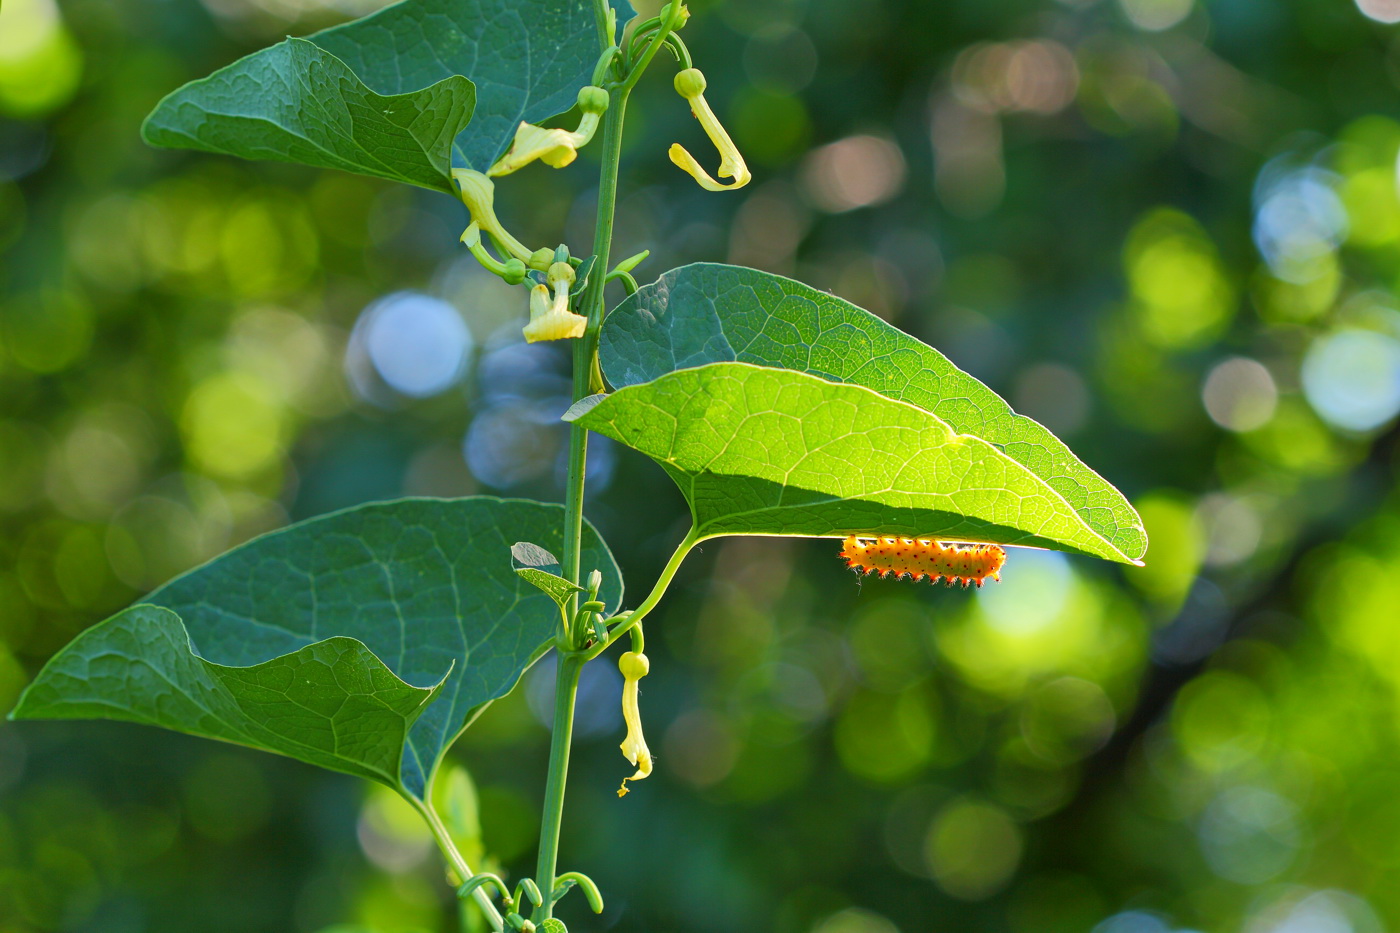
{"x": 634, "y": 667}
{"x": 555, "y": 146}
{"x": 691, "y": 84}
{"x": 479, "y": 195}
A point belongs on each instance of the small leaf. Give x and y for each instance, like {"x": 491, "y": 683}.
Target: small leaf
{"x": 424, "y": 586}
{"x": 757, "y": 450}
{"x": 709, "y": 313}
{"x": 331, "y": 703}
{"x": 541, "y": 568}
{"x": 295, "y": 102}
{"x": 553, "y": 925}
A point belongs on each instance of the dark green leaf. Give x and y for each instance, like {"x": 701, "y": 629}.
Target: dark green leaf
{"x": 708, "y": 313}
{"x": 758, "y": 450}
{"x": 296, "y": 102}
{"x": 526, "y": 58}
{"x": 424, "y": 584}
{"x": 331, "y": 703}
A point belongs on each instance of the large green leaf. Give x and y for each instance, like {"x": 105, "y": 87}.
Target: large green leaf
{"x": 295, "y": 102}
{"x": 425, "y": 584}
{"x": 332, "y": 703}
{"x": 708, "y": 313}
{"x": 758, "y": 450}
{"x": 527, "y": 60}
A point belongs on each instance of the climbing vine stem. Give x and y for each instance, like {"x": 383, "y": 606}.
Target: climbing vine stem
{"x": 584, "y": 365}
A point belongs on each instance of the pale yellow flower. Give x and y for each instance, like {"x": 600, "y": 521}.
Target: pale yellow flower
{"x": 550, "y": 318}
{"x": 479, "y": 194}
{"x": 690, "y": 84}
{"x": 634, "y": 667}
{"x": 554, "y": 146}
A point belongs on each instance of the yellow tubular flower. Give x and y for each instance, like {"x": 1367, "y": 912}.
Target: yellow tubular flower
{"x": 552, "y": 319}
{"x": 479, "y": 194}
{"x": 634, "y": 667}
{"x": 554, "y": 147}
{"x": 690, "y": 84}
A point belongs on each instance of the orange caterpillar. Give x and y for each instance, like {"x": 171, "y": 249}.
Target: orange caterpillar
{"x": 924, "y": 557}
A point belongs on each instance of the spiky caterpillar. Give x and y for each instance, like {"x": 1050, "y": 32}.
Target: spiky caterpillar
{"x": 923, "y": 557}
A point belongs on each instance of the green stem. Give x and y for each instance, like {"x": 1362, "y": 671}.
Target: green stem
{"x": 586, "y": 348}
{"x": 585, "y": 355}
{"x": 455, "y": 859}
{"x": 668, "y": 26}
{"x": 600, "y": 16}
{"x": 565, "y": 693}
{"x": 659, "y": 590}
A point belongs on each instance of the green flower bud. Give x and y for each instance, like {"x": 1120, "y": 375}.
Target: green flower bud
{"x": 690, "y": 83}
{"x": 560, "y": 272}
{"x": 593, "y": 100}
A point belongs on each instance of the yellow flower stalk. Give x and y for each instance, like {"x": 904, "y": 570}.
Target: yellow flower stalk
{"x": 554, "y": 147}
{"x": 479, "y": 195}
{"x": 512, "y": 270}
{"x": 634, "y": 667}
{"x": 691, "y": 84}
{"x": 551, "y": 319}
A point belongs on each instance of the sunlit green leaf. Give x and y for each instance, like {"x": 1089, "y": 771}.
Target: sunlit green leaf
{"x": 331, "y": 703}
{"x": 425, "y": 584}
{"x": 758, "y": 450}
{"x": 707, "y": 313}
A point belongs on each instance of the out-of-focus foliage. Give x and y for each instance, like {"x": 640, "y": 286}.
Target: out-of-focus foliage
{"x": 1167, "y": 229}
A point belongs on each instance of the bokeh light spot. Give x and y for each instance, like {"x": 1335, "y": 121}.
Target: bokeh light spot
{"x": 417, "y": 344}
{"x": 1352, "y": 379}
{"x": 855, "y": 920}
{"x": 1249, "y": 835}
{"x": 1034, "y": 588}
{"x": 972, "y": 848}
{"x": 1156, "y": 15}
{"x": 40, "y": 63}
{"x": 858, "y": 171}
{"x": 1299, "y": 222}
{"x": 1382, "y": 11}
{"x": 1179, "y": 287}
{"x": 1240, "y": 394}
{"x": 1221, "y": 720}
{"x": 233, "y": 426}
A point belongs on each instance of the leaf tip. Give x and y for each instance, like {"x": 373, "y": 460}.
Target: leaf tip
{"x": 527, "y": 555}
{"x": 582, "y": 407}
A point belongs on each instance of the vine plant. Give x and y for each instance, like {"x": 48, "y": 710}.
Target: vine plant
{"x": 366, "y": 641}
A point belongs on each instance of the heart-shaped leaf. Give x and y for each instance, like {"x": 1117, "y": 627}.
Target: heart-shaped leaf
{"x": 425, "y": 585}
{"x": 332, "y": 703}
{"x": 296, "y": 102}
{"x": 765, "y": 451}
{"x": 437, "y": 65}
{"x": 708, "y": 313}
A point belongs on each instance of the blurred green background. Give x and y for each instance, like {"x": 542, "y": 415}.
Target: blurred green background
{"x": 1169, "y": 229}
